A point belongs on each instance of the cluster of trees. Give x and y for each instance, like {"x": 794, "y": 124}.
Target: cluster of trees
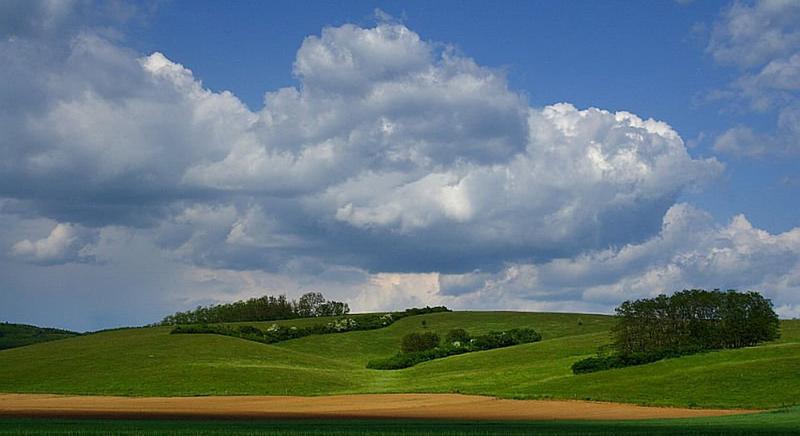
{"x": 684, "y": 323}
{"x": 420, "y": 347}
{"x": 266, "y": 308}
{"x": 278, "y": 333}
{"x": 694, "y": 319}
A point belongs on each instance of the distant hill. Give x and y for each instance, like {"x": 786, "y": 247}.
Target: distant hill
{"x": 17, "y": 335}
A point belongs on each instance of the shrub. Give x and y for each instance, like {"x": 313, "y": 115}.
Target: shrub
{"x": 278, "y": 333}
{"x": 609, "y": 361}
{"x": 592, "y": 364}
{"x": 506, "y": 338}
{"x": 249, "y": 330}
{"x": 457, "y": 335}
{"x": 197, "y": 328}
{"x": 414, "y": 342}
{"x": 492, "y": 340}
{"x": 342, "y": 325}
{"x": 405, "y": 359}
{"x": 524, "y": 335}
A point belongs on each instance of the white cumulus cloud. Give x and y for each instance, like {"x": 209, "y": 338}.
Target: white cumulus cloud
{"x": 690, "y": 251}
{"x": 396, "y": 171}
{"x": 65, "y": 243}
{"x": 762, "y": 39}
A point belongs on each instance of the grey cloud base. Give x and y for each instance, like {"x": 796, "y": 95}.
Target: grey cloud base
{"x": 690, "y": 251}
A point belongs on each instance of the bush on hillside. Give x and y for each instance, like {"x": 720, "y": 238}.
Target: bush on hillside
{"x": 610, "y": 361}
{"x": 459, "y": 336}
{"x": 249, "y": 330}
{"x": 414, "y": 342}
{"x": 406, "y": 359}
{"x": 189, "y": 329}
{"x": 525, "y": 335}
{"x": 506, "y": 338}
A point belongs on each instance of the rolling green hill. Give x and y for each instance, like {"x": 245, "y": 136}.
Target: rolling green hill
{"x": 150, "y": 361}
{"x": 18, "y": 335}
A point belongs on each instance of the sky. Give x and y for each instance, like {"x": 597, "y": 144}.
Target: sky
{"x": 549, "y": 156}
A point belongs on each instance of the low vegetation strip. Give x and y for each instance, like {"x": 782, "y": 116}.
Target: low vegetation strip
{"x": 404, "y": 406}
{"x": 279, "y": 333}
{"x": 422, "y": 347}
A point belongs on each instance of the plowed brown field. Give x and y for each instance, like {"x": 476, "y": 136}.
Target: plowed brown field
{"x": 416, "y": 406}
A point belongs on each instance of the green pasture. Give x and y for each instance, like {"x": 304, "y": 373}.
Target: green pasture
{"x": 151, "y": 362}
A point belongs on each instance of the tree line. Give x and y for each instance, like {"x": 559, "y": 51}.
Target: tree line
{"x": 684, "y": 323}
{"x": 266, "y": 308}
{"x": 278, "y": 333}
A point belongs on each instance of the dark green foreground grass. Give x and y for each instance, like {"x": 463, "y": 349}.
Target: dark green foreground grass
{"x": 785, "y": 421}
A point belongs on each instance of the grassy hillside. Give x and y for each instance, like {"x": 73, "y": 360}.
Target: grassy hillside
{"x": 18, "y": 335}
{"x": 150, "y": 361}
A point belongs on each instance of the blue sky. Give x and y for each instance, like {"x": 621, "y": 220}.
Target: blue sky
{"x": 647, "y": 58}
{"x": 537, "y": 155}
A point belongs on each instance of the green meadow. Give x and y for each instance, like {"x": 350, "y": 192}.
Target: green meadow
{"x": 152, "y": 362}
